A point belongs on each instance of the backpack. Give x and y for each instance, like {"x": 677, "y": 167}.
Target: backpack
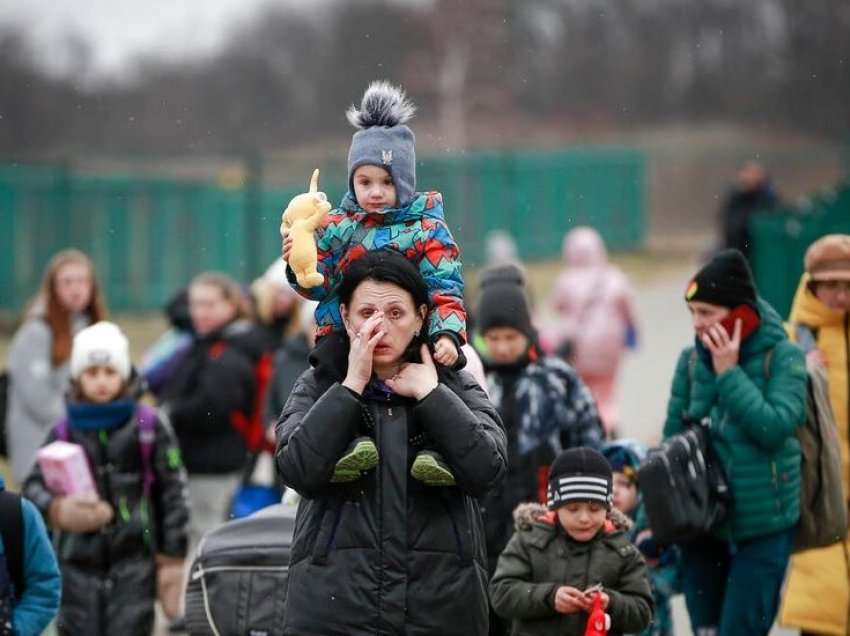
{"x": 146, "y": 419}
{"x": 237, "y": 583}
{"x": 685, "y": 493}
{"x": 251, "y": 426}
{"x": 823, "y": 507}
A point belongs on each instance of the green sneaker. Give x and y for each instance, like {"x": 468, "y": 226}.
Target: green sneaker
{"x": 429, "y": 468}
{"x": 360, "y": 456}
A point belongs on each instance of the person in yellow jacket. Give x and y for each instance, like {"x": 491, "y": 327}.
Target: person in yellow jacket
{"x": 817, "y": 591}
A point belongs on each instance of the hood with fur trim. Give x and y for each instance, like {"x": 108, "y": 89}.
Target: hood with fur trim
{"x": 527, "y": 514}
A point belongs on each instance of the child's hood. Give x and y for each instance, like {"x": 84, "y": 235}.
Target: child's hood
{"x": 424, "y": 205}
{"x": 526, "y": 515}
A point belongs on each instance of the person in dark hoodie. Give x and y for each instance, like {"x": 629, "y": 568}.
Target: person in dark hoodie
{"x": 386, "y": 553}
{"x": 557, "y": 561}
{"x": 124, "y": 546}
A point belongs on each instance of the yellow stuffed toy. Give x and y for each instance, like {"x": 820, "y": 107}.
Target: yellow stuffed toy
{"x": 300, "y": 221}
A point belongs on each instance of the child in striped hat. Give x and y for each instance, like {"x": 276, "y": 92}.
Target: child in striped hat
{"x": 559, "y": 560}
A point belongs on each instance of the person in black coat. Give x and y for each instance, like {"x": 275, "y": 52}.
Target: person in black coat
{"x": 387, "y": 553}
{"x": 211, "y": 394}
{"x": 753, "y": 193}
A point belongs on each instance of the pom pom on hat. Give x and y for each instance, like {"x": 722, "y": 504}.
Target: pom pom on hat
{"x": 383, "y": 105}
{"x": 101, "y": 344}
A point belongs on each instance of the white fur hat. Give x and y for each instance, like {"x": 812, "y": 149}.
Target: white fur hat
{"x": 102, "y": 344}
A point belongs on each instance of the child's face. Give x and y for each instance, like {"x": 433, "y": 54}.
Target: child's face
{"x": 100, "y": 384}
{"x": 625, "y": 493}
{"x": 582, "y": 520}
{"x": 374, "y": 189}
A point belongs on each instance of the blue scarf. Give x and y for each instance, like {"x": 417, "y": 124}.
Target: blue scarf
{"x": 86, "y": 416}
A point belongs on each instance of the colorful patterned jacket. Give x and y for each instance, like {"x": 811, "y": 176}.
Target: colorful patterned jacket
{"x": 418, "y": 231}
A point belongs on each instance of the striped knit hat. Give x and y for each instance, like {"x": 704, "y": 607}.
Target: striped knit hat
{"x": 580, "y": 474}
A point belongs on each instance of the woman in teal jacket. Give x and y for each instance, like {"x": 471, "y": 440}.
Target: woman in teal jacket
{"x": 745, "y": 375}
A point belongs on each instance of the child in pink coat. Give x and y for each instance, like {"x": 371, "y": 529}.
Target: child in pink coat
{"x": 594, "y": 302}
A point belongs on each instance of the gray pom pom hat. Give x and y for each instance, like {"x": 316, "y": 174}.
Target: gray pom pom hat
{"x": 383, "y": 139}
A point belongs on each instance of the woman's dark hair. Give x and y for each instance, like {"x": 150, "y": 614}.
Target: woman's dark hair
{"x": 330, "y": 356}
{"x": 385, "y": 266}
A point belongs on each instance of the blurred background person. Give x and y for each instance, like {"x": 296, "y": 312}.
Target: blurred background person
{"x": 291, "y": 360}
{"x": 594, "y": 303}
{"x": 276, "y": 305}
{"x": 753, "y": 192}
{"x": 162, "y": 358}
{"x": 68, "y": 301}
{"x": 500, "y": 249}
{"x": 211, "y": 387}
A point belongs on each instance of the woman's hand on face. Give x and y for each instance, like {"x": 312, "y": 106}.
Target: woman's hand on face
{"x": 416, "y": 380}
{"x": 363, "y": 343}
{"x": 725, "y": 351}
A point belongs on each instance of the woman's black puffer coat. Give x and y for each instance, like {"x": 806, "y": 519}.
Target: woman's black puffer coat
{"x": 387, "y": 554}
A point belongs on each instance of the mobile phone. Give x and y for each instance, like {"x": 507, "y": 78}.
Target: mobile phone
{"x": 749, "y": 321}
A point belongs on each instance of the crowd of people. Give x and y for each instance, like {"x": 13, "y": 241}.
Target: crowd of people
{"x": 458, "y": 468}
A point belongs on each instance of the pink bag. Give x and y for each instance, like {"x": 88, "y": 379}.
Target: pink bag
{"x": 66, "y": 469}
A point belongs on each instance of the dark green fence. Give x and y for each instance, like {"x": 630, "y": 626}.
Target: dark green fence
{"x": 780, "y": 242}
{"x": 149, "y": 236}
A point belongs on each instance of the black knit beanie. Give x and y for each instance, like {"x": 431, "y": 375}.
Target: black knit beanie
{"x": 580, "y": 474}
{"x": 504, "y": 301}
{"x": 726, "y": 280}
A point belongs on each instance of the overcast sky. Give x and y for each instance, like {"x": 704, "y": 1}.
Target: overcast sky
{"x": 118, "y": 30}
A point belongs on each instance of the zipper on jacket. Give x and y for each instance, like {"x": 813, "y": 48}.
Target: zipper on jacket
{"x": 104, "y": 534}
